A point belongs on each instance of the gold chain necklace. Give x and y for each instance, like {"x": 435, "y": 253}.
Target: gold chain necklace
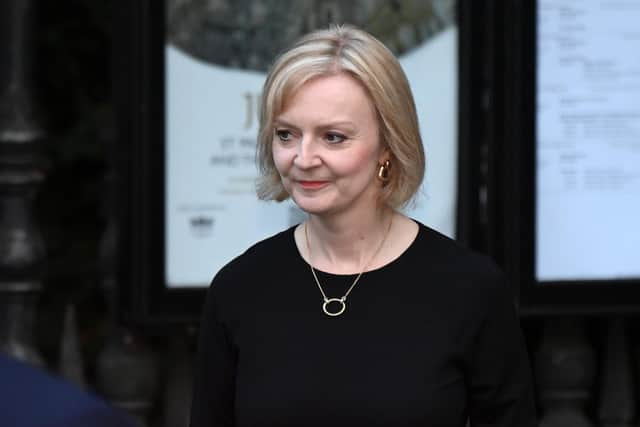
{"x": 343, "y": 299}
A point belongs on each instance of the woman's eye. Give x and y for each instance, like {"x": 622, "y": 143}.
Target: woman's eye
{"x": 334, "y": 138}
{"x": 284, "y": 135}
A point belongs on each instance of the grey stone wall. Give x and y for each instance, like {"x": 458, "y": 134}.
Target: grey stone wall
{"x": 248, "y": 34}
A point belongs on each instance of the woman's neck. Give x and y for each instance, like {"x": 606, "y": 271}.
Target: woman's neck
{"x": 346, "y": 244}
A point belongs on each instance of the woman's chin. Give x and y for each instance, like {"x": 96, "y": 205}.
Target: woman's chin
{"x": 313, "y": 205}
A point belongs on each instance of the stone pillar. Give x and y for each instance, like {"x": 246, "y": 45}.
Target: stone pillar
{"x": 70, "y": 361}
{"x": 617, "y": 393}
{"x": 565, "y": 371}
{"x": 127, "y": 373}
{"x": 21, "y": 172}
{"x": 178, "y": 381}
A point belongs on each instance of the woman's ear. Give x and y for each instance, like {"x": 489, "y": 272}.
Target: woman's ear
{"x": 385, "y": 154}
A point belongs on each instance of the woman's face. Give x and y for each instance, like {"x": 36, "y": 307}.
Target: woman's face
{"x": 326, "y": 147}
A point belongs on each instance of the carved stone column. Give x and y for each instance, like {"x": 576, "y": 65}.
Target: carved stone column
{"x": 617, "y": 395}
{"x": 178, "y": 384}
{"x": 70, "y": 361}
{"x": 127, "y": 373}
{"x": 565, "y": 372}
{"x": 21, "y": 171}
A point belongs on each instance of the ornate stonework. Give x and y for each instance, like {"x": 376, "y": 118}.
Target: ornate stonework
{"x": 248, "y": 34}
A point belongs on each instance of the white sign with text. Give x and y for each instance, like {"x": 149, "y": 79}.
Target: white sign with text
{"x": 212, "y": 212}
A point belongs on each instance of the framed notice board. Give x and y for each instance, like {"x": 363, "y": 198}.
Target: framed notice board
{"x": 188, "y": 85}
{"x": 563, "y": 91}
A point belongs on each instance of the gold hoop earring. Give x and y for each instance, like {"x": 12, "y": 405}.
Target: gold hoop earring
{"x": 383, "y": 171}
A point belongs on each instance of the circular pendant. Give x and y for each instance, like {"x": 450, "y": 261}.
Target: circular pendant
{"x": 328, "y": 301}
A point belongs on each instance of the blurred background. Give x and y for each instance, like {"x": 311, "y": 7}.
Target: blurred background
{"x": 127, "y": 132}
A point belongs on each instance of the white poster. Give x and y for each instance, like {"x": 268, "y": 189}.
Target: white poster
{"x": 588, "y": 140}
{"x": 212, "y": 212}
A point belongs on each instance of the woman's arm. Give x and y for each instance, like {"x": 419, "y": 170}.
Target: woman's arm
{"x": 501, "y": 391}
{"x": 214, "y": 375}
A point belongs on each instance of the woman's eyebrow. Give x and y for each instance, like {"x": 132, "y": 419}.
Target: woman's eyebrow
{"x": 338, "y": 123}
{"x": 282, "y": 123}
{"x": 328, "y": 125}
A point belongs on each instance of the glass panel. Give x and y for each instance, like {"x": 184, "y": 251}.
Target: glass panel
{"x": 588, "y": 140}
{"x": 217, "y": 54}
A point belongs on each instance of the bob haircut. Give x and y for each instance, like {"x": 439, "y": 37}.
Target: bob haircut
{"x": 346, "y": 49}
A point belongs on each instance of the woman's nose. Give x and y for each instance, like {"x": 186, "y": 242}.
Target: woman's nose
{"x": 306, "y": 155}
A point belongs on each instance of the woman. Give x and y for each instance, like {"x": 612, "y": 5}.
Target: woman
{"x": 359, "y": 316}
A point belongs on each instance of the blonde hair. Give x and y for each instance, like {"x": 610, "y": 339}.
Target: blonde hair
{"x": 353, "y": 51}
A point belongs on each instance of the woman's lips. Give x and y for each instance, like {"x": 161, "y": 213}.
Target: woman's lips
{"x": 312, "y": 185}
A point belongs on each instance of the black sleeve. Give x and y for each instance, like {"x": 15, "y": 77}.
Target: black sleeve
{"x": 214, "y": 374}
{"x": 501, "y": 391}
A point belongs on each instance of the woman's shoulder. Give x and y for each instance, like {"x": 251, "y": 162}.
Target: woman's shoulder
{"x": 464, "y": 278}
{"x": 258, "y": 258}
{"x": 444, "y": 255}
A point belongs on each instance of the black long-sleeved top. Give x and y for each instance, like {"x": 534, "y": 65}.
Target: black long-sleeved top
{"x": 430, "y": 339}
